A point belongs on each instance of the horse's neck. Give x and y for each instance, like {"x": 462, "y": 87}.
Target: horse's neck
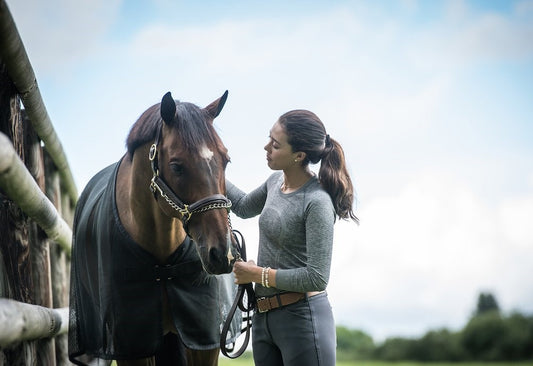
{"x": 140, "y": 213}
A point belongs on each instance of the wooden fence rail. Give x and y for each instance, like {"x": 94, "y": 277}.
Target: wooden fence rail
{"x": 21, "y": 187}
{"x": 37, "y": 200}
{"x": 26, "y": 322}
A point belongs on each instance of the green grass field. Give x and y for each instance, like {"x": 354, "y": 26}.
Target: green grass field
{"x": 246, "y": 361}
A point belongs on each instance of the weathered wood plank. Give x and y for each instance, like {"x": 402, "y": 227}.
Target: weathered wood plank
{"x": 22, "y": 322}
{"x": 20, "y": 186}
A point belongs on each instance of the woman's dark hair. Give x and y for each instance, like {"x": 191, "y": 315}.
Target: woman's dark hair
{"x": 306, "y": 133}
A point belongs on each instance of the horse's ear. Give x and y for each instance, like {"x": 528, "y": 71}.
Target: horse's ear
{"x": 214, "y": 108}
{"x": 168, "y": 108}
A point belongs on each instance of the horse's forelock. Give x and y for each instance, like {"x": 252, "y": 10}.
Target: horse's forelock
{"x": 144, "y": 129}
{"x": 192, "y": 122}
{"x": 196, "y": 129}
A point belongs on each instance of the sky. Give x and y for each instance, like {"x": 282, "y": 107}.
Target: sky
{"x": 432, "y": 102}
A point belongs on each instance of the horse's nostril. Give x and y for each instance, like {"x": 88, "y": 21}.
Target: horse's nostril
{"x": 214, "y": 255}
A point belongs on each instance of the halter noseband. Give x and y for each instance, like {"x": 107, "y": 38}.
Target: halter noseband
{"x": 158, "y": 185}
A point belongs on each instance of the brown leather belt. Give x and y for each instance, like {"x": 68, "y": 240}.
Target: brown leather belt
{"x": 265, "y": 304}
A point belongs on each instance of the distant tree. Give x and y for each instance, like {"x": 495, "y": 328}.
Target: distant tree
{"x": 517, "y": 342}
{"x": 396, "y": 349}
{"x": 353, "y": 344}
{"x": 437, "y": 346}
{"x": 493, "y": 337}
{"x": 482, "y": 335}
{"x": 488, "y": 336}
{"x": 486, "y": 302}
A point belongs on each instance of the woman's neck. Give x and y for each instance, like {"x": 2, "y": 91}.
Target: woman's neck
{"x": 294, "y": 179}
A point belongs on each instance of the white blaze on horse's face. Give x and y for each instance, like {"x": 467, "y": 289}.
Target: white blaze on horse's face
{"x": 207, "y": 154}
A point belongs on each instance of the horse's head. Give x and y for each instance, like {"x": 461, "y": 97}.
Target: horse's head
{"x": 189, "y": 161}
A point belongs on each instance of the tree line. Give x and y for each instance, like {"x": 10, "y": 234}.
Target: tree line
{"x": 488, "y": 335}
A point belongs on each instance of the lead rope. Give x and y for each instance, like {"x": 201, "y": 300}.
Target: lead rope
{"x": 248, "y": 290}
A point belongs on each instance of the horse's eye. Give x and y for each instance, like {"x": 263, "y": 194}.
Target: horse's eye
{"x": 177, "y": 169}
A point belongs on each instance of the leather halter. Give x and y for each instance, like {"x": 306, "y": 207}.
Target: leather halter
{"x": 158, "y": 185}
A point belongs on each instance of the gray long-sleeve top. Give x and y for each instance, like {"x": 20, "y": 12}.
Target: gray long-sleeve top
{"x": 295, "y": 232}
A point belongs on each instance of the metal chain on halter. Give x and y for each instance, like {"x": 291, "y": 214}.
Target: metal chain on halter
{"x": 214, "y": 206}
{"x": 184, "y": 211}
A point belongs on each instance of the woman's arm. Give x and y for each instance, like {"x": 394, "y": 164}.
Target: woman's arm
{"x": 315, "y": 275}
{"x": 246, "y": 205}
{"x": 319, "y": 242}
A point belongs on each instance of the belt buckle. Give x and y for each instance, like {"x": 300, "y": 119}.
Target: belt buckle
{"x": 259, "y": 307}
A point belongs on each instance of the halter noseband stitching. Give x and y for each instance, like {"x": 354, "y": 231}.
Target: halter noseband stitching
{"x": 157, "y": 184}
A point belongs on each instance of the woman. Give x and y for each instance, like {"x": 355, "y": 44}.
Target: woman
{"x": 293, "y": 323}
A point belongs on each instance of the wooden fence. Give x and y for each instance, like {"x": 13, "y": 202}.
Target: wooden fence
{"x": 37, "y": 200}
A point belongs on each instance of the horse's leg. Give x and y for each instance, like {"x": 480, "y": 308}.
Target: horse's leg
{"x": 203, "y": 358}
{"x": 172, "y": 352}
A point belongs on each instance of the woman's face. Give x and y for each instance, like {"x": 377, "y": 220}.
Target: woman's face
{"x": 279, "y": 153}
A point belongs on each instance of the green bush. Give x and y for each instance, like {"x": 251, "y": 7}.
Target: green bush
{"x": 353, "y": 345}
{"x": 491, "y": 337}
{"x": 482, "y": 336}
{"x": 436, "y": 346}
{"x": 395, "y": 349}
{"x": 488, "y": 336}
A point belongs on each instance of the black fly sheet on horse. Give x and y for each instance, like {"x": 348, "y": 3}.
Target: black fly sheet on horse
{"x": 115, "y": 299}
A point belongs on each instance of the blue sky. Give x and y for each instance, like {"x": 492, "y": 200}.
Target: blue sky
{"x": 431, "y": 100}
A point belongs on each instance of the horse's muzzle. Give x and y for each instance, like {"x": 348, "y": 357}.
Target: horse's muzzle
{"x": 215, "y": 260}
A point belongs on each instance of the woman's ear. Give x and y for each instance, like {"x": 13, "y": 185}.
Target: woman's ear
{"x": 300, "y": 156}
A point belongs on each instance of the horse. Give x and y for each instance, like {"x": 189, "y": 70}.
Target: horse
{"x": 150, "y": 233}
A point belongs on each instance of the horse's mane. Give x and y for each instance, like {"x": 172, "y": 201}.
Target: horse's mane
{"x": 192, "y": 122}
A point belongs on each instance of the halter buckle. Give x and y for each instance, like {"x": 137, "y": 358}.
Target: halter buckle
{"x": 154, "y": 187}
{"x": 186, "y": 214}
{"x": 153, "y": 152}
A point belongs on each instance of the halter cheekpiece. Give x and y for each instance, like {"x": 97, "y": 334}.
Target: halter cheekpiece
{"x": 158, "y": 185}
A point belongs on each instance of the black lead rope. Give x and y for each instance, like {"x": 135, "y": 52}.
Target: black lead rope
{"x": 248, "y": 290}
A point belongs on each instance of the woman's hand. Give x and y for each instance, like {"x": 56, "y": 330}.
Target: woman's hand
{"x": 246, "y": 272}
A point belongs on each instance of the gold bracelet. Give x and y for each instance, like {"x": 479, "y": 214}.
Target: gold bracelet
{"x": 263, "y": 276}
{"x": 267, "y": 273}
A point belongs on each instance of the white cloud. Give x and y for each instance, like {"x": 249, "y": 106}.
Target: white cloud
{"x": 429, "y": 249}
{"x": 524, "y": 8}
{"x": 62, "y": 32}
{"x": 515, "y": 217}
{"x": 463, "y": 40}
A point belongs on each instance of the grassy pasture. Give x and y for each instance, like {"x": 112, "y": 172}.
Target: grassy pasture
{"x": 248, "y": 361}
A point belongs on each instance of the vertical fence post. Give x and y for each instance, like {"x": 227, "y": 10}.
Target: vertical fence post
{"x": 39, "y": 242}
{"x": 60, "y": 268}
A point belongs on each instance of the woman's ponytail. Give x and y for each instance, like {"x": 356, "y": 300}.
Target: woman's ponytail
{"x": 306, "y": 132}
{"x": 334, "y": 178}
